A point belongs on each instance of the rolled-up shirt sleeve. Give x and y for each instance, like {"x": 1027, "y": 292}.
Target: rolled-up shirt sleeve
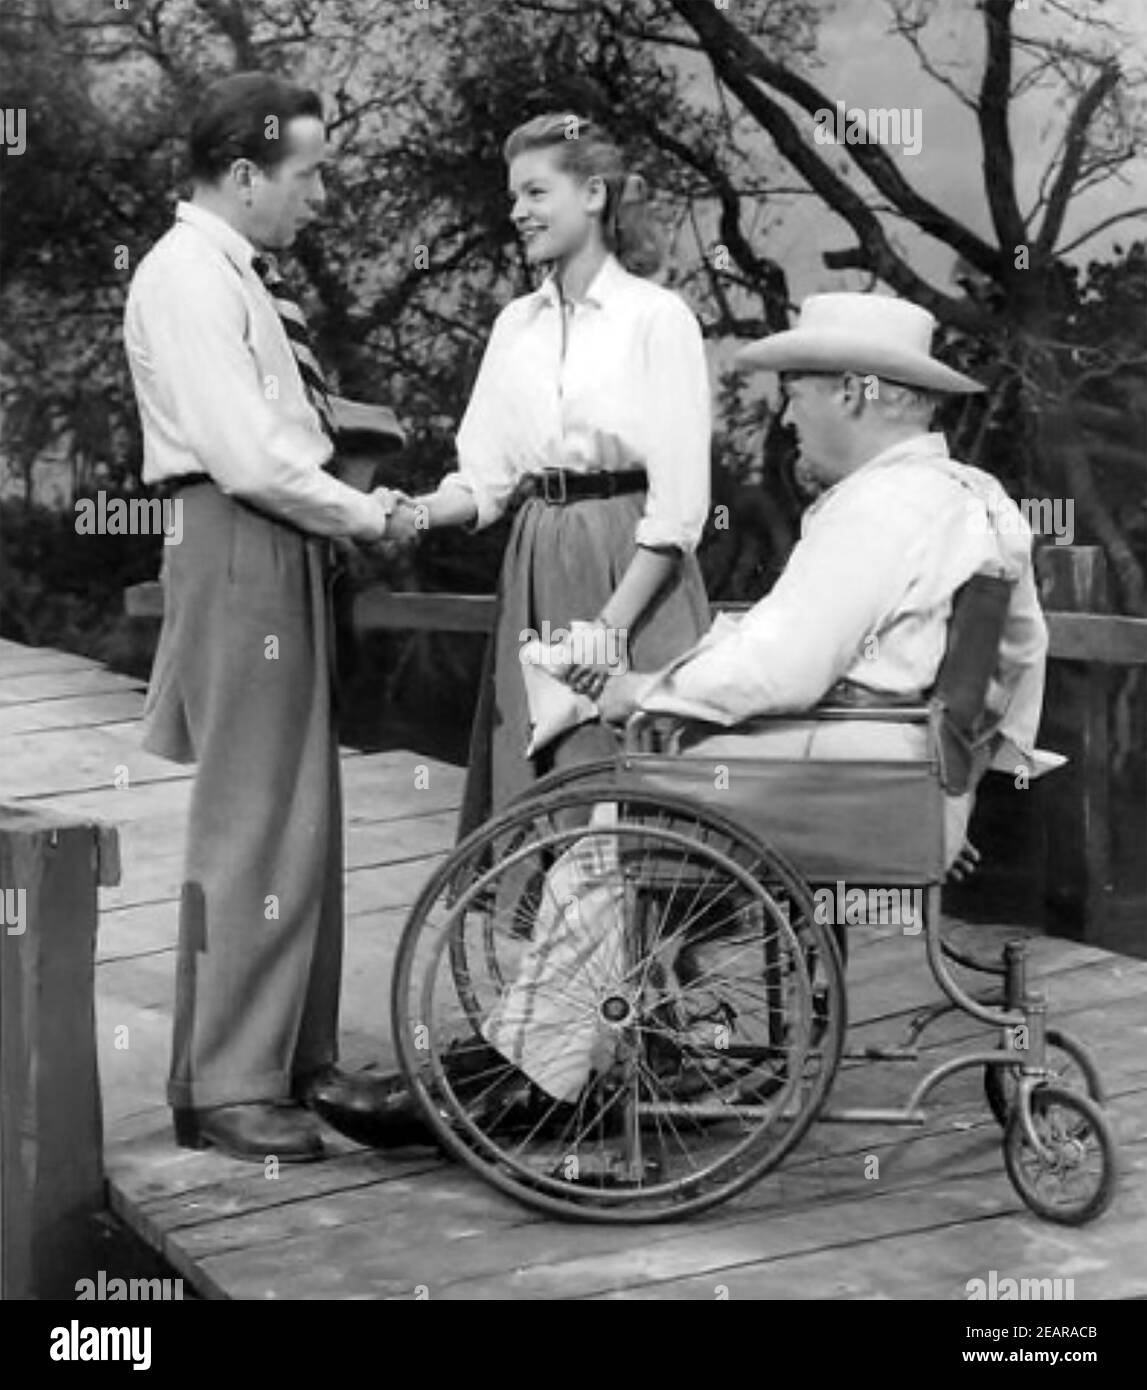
{"x": 188, "y": 341}
{"x": 676, "y": 429}
{"x": 1016, "y": 691}
{"x": 1018, "y": 681}
{"x": 488, "y": 468}
{"x": 1020, "y": 671}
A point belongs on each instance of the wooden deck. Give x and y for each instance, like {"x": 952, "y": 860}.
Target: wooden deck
{"x": 366, "y": 1225}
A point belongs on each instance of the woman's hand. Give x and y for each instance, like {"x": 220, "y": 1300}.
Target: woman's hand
{"x": 599, "y": 652}
{"x": 587, "y": 680}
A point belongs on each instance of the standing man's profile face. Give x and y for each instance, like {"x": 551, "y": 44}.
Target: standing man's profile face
{"x": 279, "y": 202}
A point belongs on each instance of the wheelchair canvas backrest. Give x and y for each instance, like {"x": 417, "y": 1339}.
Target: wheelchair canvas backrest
{"x": 959, "y": 695}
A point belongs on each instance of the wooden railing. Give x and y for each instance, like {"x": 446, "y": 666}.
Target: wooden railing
{"x": 1097, "y": 637}
{"x": 1085, "y": 643}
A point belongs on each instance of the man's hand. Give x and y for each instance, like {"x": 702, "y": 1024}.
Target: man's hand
{"x": 403, "y": 526}
{"x": 618, "y": 700}
{"x": 965, "y": 865}
{"x": 387, "y": 501}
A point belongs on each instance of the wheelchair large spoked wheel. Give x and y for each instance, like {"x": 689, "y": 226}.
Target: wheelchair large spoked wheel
{"x": 655, "y": 967}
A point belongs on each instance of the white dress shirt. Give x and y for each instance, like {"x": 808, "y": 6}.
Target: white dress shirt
{"x": 632, "y": 391}
{"x": 218, "y": 387}
{"x": 866, "y": 595}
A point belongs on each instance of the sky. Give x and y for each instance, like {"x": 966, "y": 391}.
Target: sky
{"x": 866, "y": 66}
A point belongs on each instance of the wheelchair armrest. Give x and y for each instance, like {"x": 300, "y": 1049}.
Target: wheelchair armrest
{"x": 647, "y": 732}
{"x": 881, "y": 714}
{"x": 661, "y": 733}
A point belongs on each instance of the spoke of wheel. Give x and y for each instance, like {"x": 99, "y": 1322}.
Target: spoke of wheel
{"x": 716, "y": 1096}
{"x": 654, "y": 1090}
{"x": 751, "y": 944}
{"x": 707, "y": 902}
{"x": 711, "y": 930}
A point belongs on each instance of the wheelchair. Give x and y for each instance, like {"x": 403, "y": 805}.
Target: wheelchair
{"x": 709, "y": 1015}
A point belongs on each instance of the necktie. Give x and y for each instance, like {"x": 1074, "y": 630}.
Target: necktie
{"x": 295, "y": 325}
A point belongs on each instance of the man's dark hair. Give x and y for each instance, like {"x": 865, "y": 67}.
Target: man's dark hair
{"x": 231, "y": 122}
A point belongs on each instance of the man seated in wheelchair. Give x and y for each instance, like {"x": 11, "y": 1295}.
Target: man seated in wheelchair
{"x": 859, "y": 618}
{"x": 860, "y": 615}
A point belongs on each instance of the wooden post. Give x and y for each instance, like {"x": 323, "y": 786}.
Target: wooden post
{"x": 51, "y": 1141}
{"x": 1075, "y": 800}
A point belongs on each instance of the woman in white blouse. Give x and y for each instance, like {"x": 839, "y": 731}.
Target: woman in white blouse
{"x": 590, "y": 417}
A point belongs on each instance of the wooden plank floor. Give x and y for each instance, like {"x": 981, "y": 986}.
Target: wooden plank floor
{"x": 364, "y": 1225}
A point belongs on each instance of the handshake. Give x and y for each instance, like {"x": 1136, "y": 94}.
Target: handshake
{"x": 404, "y": 519}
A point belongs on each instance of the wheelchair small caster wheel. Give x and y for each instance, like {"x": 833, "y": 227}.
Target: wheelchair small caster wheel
{"x": 1072, "y": 1067}
{"x": 1070, "y": 1178}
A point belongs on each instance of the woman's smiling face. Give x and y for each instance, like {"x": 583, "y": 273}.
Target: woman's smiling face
{"x": 555, "y": 212}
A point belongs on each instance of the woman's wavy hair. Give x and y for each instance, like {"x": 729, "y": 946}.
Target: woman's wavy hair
{"x": 583, "y": 149}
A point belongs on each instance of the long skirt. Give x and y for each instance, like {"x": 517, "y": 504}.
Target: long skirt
{"x": 562, "y": 563}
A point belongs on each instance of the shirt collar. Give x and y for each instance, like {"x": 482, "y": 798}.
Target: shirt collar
{"x": 605, "y": 286}
{"x": 232, "y": 243}
{"x": 929, "y": 445}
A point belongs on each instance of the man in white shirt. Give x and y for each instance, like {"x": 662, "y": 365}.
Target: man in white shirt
{"x": 238, "y": 427}
{"x": 862, "y": 607}
{"x": 860, "y": 613}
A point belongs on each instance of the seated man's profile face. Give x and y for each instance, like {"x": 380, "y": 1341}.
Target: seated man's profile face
{"x": 815, "y": 405}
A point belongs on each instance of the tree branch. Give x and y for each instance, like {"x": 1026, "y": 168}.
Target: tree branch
{"x": 879, "y": 257}
{"x": 1099, "y": 227}
{"x": 995, "y": 138}
{"x": 767, "y": 276}
{"x": 909, "y": 30}
{"x": 1074, "y": 148}
{"x": 739, "y": 61}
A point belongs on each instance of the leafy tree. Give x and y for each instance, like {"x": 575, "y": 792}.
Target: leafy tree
{"x": 717, "y": 105}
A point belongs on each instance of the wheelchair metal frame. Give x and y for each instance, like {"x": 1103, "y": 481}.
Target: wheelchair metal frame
{"x": 1019, "y": 1008}
{"x": 1047, "y": 1123}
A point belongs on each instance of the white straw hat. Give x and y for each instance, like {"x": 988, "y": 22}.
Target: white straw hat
{"x": 873, "y": 334}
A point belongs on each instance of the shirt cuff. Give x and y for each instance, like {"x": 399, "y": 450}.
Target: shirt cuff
{"x": 656, "y": 532}
{"x": 371, "y": 518}
{"x": 488, "y": 508}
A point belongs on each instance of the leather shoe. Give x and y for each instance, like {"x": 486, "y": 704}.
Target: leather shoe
{"x": 382, "y": 1113}
{"x": 374, "y": 1110}
{"x": 255, "y": 1131}
{"x": 500, "y": 1097}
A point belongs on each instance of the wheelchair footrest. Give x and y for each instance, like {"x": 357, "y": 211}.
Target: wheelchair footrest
{"x": 876, "y": 1053}
{"x": 703, "y": 1110}
{"x": 859, "y": 1114}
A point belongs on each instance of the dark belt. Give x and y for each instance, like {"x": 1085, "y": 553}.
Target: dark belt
{"x": 852, "y": 695}
{"x": 168, "y": 487}
{"x": 557, "y": 486}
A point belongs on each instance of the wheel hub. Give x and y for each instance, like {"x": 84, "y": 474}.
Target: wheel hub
{"x": 616, "y": 1010}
